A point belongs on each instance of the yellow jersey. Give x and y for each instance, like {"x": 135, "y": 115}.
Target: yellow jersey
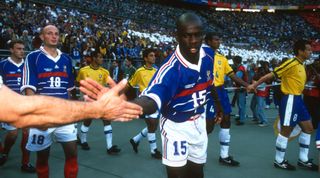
{"x": 99, "y": 75}
{"x": 220, "y": 69}
{"x": 293, "y": 76}
{"x": 142, "y": 77}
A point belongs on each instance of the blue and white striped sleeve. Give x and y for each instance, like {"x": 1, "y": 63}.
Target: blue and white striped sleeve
{"x": 164, "y": 84}
{"x": 29, "y": 75}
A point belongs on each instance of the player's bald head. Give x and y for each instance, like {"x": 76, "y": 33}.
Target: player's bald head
{"x": 187, "y": 19}
{"x": 49, "y": 27}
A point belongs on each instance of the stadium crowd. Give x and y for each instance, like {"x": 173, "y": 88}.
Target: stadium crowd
{"x": 109, "y": 30}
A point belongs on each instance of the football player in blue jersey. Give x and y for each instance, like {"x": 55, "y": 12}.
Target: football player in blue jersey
{"x": 48, "y": 71}
{"x": 11, "y": 72}
{"x": 180, "y": 90}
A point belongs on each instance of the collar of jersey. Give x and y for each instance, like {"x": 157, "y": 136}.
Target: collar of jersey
{"x": 55, "y": 59}
{"x": 14, "y": 63}
{"x": 187, "y": 63}
{"x": 93, "y": 67}
{"x": 147, "y": 67}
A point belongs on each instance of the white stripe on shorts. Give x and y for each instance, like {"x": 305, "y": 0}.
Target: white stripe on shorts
{"x": 288, "y": 111}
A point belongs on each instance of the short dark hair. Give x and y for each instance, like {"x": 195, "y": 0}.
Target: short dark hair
{"x": 147, "y": 51}
{"x": 209, "y": 36}
{"x": 13, "y": 42}
{"x": 300, "y": 45}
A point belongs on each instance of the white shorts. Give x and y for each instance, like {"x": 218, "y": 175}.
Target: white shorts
{"x": 184, "y": 141}
{"x": 7, "y": 126}
{"x": 41, "y": 139}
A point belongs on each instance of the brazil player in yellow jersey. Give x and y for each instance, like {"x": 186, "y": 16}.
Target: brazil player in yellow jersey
{"x": 222, "y": 69}
{"x": 292, "y": 108}
{"x": 102, "y": 76}
{"x": 141, "y": 79}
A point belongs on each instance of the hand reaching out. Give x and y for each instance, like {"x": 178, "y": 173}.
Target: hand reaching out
{"x": 112, "y": 106}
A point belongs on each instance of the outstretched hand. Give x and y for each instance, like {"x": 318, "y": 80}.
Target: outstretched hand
{"x": 112, "y": 106}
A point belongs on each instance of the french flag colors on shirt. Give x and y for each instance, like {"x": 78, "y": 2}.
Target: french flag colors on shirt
{"x": 11, "y": 73}
{"x": 180, "y": 88}
{"x": 48, "y": 75}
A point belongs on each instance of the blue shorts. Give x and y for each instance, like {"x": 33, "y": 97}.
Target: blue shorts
{"x": 292, "y": 110}
{"x": 224, "y": 100}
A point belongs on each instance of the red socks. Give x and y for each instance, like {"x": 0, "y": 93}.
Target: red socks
{"x": 71, "y": 167}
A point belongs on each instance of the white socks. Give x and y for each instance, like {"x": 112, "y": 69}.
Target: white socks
{"x": 281, "y": 146}
{"x": 304, "y": 142}
{"x": 83, "y": 133}
{"x": 108, "y": 133}
{"x": 152, "y": 141}
{"x": 224, "y": 138}
{"x": 141, "y": 135}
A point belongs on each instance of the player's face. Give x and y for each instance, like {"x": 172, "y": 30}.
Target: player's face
{"x": 99, "y": 59}
{"x": 50, "y": 36}
{"x": 17, "y": 51}
{"x": 214, "y": 43}
{"x": 151, "y": 58}
{"x": 190, "y": 37}
{"x": 307, "y": 52}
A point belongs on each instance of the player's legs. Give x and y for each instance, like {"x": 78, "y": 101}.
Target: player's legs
{"x": 176, "y": 172}
{"x": 194, "y": 170}
{"x": 84, "y": 129}
{"x": 71, "y": 160}
{"x": 107, "y": 129}
{"x": 304, "y": 143}
{"x": 152, "y": 124}
{"x": 190, "y": 170}
{"x": 42, "y": 165}
{"x": 136, "y": 139}
{"x": 67, "y": 136}
{"x": 9, "y": 141}
{"x": 287, "y": 112}
{"x": 210, "y": 125}
{"x": 25, "y": 161}
{"x": 224, "y": 139}
{"x": 224, "y": 134}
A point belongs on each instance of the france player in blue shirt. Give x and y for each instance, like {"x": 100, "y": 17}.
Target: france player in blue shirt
{"x": 48, "y": 71}
{"x": 11, "y": 72}
{"x": 180, "y": 89}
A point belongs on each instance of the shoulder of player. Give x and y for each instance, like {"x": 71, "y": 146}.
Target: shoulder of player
{"x": 34, "y": 55}
{"x": 219, "y": 55}
{"x": 82, "y": 69}
{"x": 104, "y": 70}
{"x": 288, "y": 63}
{"x": 2, "y": 62}
{"x": 140, "y": 69}
{"x": 65, "y": 55}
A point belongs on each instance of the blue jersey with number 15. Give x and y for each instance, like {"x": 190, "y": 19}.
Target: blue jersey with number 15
{"x": 180, "y": 88}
